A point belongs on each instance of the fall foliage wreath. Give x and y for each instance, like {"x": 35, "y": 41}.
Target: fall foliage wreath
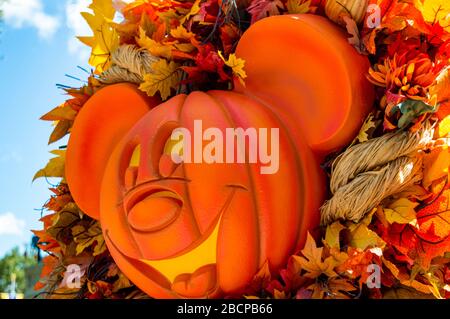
{"x": 169, "y": 47}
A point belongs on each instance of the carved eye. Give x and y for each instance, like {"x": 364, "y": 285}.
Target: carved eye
{"x": 131, "y": 171}
{"x": 171, "y": 156}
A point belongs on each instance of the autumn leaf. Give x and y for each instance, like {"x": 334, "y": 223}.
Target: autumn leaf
{"x": 367, "y": 125}
{"x": 312, "y": 261}
{"x": 260, "y": 9}
{"x": 105, "y": 39}
{"x": 361, "y": 236}
{"x": 61, "y": 129}
{"x": 193, "y": 11}
{"x": 62, "y": 112}
{"x": 260, "y": 281}
{"x": 164, "y": 77}
{"x": 237, "y": 65}
{"x": 181, "y": 33}
{"x": 434, "y": 11}
{"x": 401, "y": 211}
{"x": 155, "y": 48}
{"x": 298, "y": 6}
{"x": 121, "y": 283}
{"x": 431, "y": 239}
{"x": 436, "y": 165}
{"x": 352, "y": 29}
{"x": 332, "y": 234}
{"x": 55, "y": 166}
{"x": 440, "y": 90}
{"x": 332, "y": 288}
{"x": 62, "y": 221}
{"x": 86, "y": 238}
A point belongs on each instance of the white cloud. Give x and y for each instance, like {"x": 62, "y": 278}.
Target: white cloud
{"x": 12, "y": 156}
{"x": 11, "y": 225}
{"x": 30, "y": 13}
{"x": 78, "y": 27}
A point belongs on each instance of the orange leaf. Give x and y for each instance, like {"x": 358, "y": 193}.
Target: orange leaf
{"x": 436, "y": 165}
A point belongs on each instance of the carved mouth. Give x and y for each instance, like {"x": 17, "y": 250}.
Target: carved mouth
{"x": 193, "y": 274}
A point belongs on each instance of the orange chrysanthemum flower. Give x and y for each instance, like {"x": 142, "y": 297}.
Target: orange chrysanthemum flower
{"x": 406, "y": 78}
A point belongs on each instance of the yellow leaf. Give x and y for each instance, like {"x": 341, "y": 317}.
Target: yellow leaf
{"x": 105, "y": 39}
{"x": 55, "y": 166}
{"x": 164, "y": 77}
{"x": 155, "y": 48}
{"x": 298, "y": 6}
{"x": 436, "y": 164}
{"x": 434, "y": 10}
{"x": 237, "y": 65}
{"x": 368, "y": 124}
{"x": 332, "y": 234}
{"x": 440, "y": 90}
{"x": 104, "y": 8}
{"x": 194, "y": 10}
{"x": 121, "y": 283}
{"x": 401, "y": 212}
{"x": 62, "y": 112}
{"x": 312, "y": 261}
{"x": 61, "y": 130}
{"x": 85, "y": 238}
{"x": 362, "y": 237}
{"x": 181, "y": 33}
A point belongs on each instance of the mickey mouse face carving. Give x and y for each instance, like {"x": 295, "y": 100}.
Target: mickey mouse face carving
{"x": 195, "y": 230}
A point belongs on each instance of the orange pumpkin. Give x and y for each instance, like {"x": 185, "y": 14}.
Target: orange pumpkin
{"x": 195, "y": 230}
{"x": 101, "y": 123}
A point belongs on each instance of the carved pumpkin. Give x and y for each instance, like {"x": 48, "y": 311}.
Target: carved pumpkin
{"x": 195, "y": 230}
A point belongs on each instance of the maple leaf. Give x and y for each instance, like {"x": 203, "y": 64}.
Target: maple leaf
{"x": 352, "y": 29}
{"x": 434, "y": 11}
{"x": 237, "y": 65}
{"x": 260, "y": 9}
{"x": 332, "y": 288}
{"x": 332, "y": 234}
{"x": 61, "y": 112}
{"x": 436, "y": 165}
{"x": 367, "y": 125}
{"x": 105, "y": 39}
{"x": 195, "y": 9}
{"x": 431, "y": 239}
{"x": 361, "y": 236}
{"x": 357, "y": 263}
{"x": 55, "y": 166}
{"x": 164, "y": 77}
{"x": 440, "y": 90}
{"x": 298, "y": 6}
{"x": 121, "y": 283}
{"x": 155, "y": 48}
{"x": 401, "y": 211}
{"x": 86, "y": 237}
{"x": 312, "y": 261}
{"x": 181, "y": 33}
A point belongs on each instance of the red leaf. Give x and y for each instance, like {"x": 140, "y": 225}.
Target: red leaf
{"x": 260, "y": 9}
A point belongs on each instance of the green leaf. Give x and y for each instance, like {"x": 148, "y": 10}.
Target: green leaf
{"x": 410, "y": 110}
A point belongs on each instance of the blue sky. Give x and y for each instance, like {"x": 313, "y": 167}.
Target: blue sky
{"x": 37, "y": 48}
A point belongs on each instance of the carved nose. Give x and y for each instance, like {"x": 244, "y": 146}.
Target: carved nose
{"x": 154, "y": 212}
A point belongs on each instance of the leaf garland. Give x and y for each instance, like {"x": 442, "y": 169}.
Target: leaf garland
{"x": 407, "y": 236}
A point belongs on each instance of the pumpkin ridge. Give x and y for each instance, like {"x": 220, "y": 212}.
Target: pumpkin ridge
{"x": 249, "y": 172}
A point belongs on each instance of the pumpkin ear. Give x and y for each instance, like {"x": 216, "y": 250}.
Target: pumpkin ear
{"x": 101, "y": 123}
{"x": 304, "y": 68}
